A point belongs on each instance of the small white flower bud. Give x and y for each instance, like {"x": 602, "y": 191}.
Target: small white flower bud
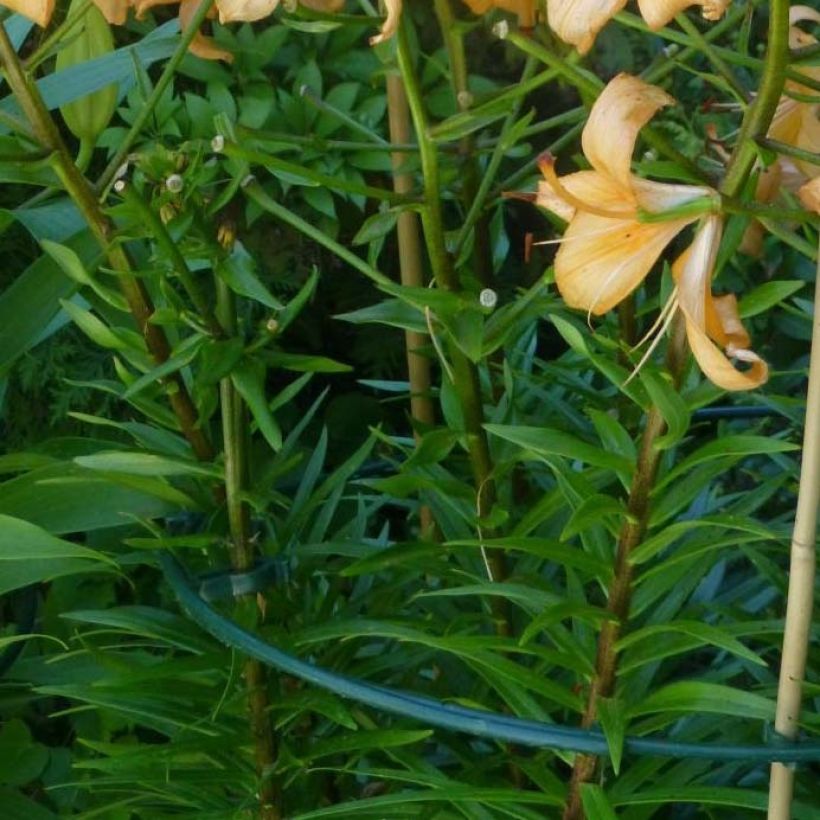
{"x": 247, "y": 181}
{"x": 121, "y": 171}
{"x": 488, "y": 298}
{"x": 501, "y": 29}
{"x": 218, "y": 144}
{"x": 465, "y": 99}
{"x": 174, "y": 183}
{"x": 119, "y": 186}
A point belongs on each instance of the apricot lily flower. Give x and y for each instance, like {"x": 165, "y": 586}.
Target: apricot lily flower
{"x": 525, "y": 9}
{"x": 40, "y": 11}
{"x": 619, "y": 224}
{"x": 579, "y": 21}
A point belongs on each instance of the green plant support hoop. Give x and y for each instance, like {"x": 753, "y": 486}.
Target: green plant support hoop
{"x": 457, "y": 718}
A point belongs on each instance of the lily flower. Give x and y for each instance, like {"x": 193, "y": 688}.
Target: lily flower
{"x": 578, "y": 21}
{"x": 40, "y": 11}
{"x": 619, "y": 224}
{"x": 810, "y": 195}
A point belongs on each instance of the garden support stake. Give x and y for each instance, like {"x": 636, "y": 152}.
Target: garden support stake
{"x": 800, "y": 599}
{"x": 411, "y": 269}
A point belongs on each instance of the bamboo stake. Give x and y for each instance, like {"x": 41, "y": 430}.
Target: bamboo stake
{"x": 411, "y": 268}
{"x": 801, "y": 581}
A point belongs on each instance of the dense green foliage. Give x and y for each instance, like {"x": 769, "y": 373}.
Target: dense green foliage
{"x": 119, "y": 706}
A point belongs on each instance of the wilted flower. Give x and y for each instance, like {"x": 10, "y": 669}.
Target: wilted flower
{"x": 40, "y": 11}
{"x": 228, "y": 11}
{"x": 525, "y": 9}
{"x": 579, "y": 21}
{"x": 620, "y": 223}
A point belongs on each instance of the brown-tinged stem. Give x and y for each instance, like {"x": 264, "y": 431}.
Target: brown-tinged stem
{"x": 164, "y": 239}
{"x": 755, "y": 124}
{"x": 139, "y": 302}
{"x": 620, "y": 590}
{"x": 800, "y": 598}
{"x": 235, "y": 443}
{"x": 411, "y": 269}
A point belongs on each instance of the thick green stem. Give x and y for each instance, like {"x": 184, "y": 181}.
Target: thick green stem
{"x": 467, "y": 381}
{"x": 160, "y": 234}
{"x": 139, "y": 302}
{"x": 454, "y": 43}
{"x": 760, "y": 113}
{"x": 234, "y": 437}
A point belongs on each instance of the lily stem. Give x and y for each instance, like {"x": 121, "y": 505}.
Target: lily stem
{"x": 83, "y": 196}
{"x": 234, "y": 437}
{"x": 620, "y": 590}
{"x": 756, "y": 121}
{"x": 466, "y": 379}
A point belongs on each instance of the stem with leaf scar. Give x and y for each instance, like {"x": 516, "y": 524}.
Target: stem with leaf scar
{"x": 235, "y": 443}
{"x": 466, "y": 379}
{"x": 756, "y": 122}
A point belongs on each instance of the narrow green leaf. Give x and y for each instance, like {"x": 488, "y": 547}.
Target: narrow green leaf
{"x": 595, "y": 802}
{"x": 147, "y": 464}
{"x": 701, "y": 697}
{"x": 705, "y": 633}
{"x": 725, "y": 447}
{"x": 671, "y": 406}
{"x": 612, "y": 715}
{"x": 767, "y": 295}
{"x": 238, "y": 272}
{"x": 376, "y": 226}
{"x": 547, "y": 443}
{"x": 28, "y": 555}
{"x": 249, "y": 379}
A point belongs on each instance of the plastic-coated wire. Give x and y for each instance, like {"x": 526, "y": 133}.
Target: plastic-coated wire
{"x": 732, "y": 412}
{"x": 457, "y": 718}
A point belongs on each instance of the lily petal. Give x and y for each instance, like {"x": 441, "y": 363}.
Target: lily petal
{"x": 391, "y": 22}
{"x": 524, "y": 9}
{"x": 327, "y": 6}
{"x": 810, "y": 195}
{"x": 114, "y": 11}
{"x": 797, "y": 14}
{"x": 710, "y": 320}
{"x": 601, "y": 261}
{"x": 201, "y": 45}
{"x": 622, "y": 109}
{"x": 39, "y": 11}
{"x": 578, "y": 21}
{"x": 658, "y": 13}
{"x": 246, "y": 11}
